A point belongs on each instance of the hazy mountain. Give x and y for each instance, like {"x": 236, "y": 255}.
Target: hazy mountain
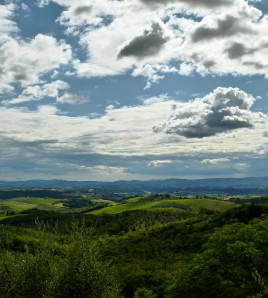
{"x": 168, "y": 185}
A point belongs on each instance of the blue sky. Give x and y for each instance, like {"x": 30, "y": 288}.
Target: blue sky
{"x": 133, "y": 89}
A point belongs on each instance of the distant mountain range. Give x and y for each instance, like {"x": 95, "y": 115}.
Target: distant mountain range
{"x": 230, "y": 185}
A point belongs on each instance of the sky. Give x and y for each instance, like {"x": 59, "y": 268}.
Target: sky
{"x": 133, "y": 89}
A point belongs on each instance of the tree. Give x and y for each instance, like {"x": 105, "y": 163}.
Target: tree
{"x": 233, "y": 264}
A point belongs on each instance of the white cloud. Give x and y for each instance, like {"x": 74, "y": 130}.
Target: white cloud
{"x": 82, "y": 14}
{"x": 186, "y": 69}
{"x": 223, "y": 110}
{"x": 118, "y": 26}
{"x": 89, "y": 70}
{"x": 143, "y": 38}
{"x": 262, "y": 149}
{"x": 153, "y": 72}
{"x": 215, "y": 43}
{"x": 25, "y": 61}
{"x": 7, "y": 25}
{"x": 158, "y": 163}
{"x": 25, "y": 7}
{"x": 46, "y": 135}
{"x": 104, "y": 171}
{"x": 71, "y": 98}
{"x": 128, "y": 130}
{"x": 215, "y": 161}
{"x": 195, "y": 3}
{"x": 219, "y": 42}
{"x": 224, "y": 163}
{"x": 38, "y": 92}
{"x": 42, "y": 3}
{"x": 52, "y": 89}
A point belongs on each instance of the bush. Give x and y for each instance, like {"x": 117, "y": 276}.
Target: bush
{"x": 71, "y": 270}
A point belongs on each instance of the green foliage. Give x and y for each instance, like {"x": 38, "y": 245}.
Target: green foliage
{"x": 22, "y": 274}
{"x": 21, "y": 193}
{"x": 83, "y": 275}
{"x": 55, "y": 266}
{"x": 159, "y": 254}
{"x": 144, "y": 293}
{"x": 171, "y": 205}
{"x": 77, "y": 203}
{"x": 233, "y": 264}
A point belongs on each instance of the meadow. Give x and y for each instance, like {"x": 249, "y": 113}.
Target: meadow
{"x": 15, "y": 205}
{"x": 152, "y": 204}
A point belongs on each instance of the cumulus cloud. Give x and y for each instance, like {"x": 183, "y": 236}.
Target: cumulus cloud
{"x": 42, "y": 3}
{"x": 7, "y": 25}
{"x": 237, "y": 50}
{"x": 71, "y": 99}
{"x": 151, "y": 38}
{"x": 86, "y": 14}
{"x": 24, "y": 62}
{"x": 38, "y": 92}
{"x": 228, "y": 25}
{"x": 205, "y": 3}
{"x": 223, "y": 110}
{"x": 153, "y": 73}
{"x": 219, "y": 42}
{"x": 52, "y": 89}
{"x": 147, "y": 44}
{"x": 118, "y": 36}
{"x": 82, "y": 10}
{"x": 47, "y": 139}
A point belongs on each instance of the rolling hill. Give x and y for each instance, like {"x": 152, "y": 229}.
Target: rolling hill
{"x": 154, "y": 203}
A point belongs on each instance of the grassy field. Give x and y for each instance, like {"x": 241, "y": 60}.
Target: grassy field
{"x": 37, "y": 201}
{"x": 138, "y": 203}
{"x": 17, "y": 206}
{"x": 209, "y": 204}
{"x": 21, "y": 204}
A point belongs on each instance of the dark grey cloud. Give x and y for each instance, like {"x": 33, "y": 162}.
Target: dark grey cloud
{"x": 20, "y": 77}
{"x": 147, "y": 44}
{"x": 209, "y": 63}
{"x": 28, "y": 94}
{"x": 82, "y": 10}
{"x": 223, "y": 110}
{"x": 202, "y": 3}
{"x": 236, "y": 50}
{"x": 256, "y": 65}
{"x": 19, "y": 73}
{"x": 225, "y": 27}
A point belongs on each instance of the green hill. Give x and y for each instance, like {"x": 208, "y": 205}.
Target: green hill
{"x": 153, "y": 203}
{"x": 16, "y": 205}
{"x": 140, "y": 253}
{"x": 11, "y": 206}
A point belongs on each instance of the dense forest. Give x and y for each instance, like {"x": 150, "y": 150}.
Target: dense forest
{"x": 168, "y": 252}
